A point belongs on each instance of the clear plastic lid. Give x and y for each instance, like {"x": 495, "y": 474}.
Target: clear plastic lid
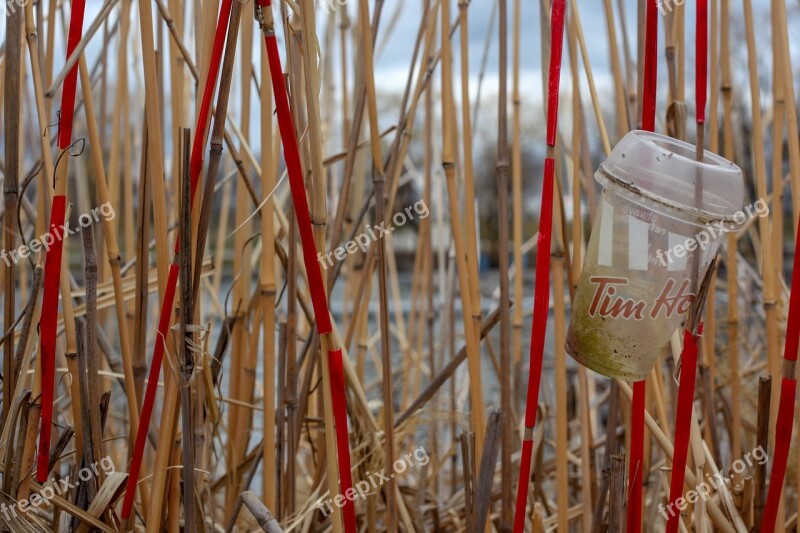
{"x": 663, "y": 174}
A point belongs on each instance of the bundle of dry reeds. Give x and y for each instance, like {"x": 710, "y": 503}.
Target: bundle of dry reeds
{"x": 335, "y": 342}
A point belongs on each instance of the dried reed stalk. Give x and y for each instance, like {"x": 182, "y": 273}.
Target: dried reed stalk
{"x": 731, "y": 245}
{"x": 762, "y": 438}
{"x": 616, "y": 70}
{"x": 267, "y": 277}
{"x": 235, "y": 448}
{"x": 768, "y": 266}
{"x": 112, "y": 250}
{"x": 168, "y": 296}
{"x": 379, "y": 186}
{"x": 448, "y": 164}
{"x": 186, "y": 359}
{"x": 786, "y": 407}
{"x": 586, "y": 433}
{"x": 516, "y": 206}
{"x": 506, "y": 514}
{"x": 155, "y": 146}
{"x": 471, "y": 232}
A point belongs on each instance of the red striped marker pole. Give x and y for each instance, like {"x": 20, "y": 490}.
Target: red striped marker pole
{"x": 319, "y": 299}
{"x": 636, "y": 464}
{"x": 785, "y": 420}
{"x": 195, "y": 167}
{"x": 541, "y": 297}
{"x": 52, "y": 267}
{"x": 683, "y": 423}
{"x": 687, "y": 384}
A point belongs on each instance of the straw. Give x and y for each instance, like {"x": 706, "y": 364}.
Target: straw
{"x": 542, "y": 287}
{"x": 636, "y": 461}
{"x": 196, "y": 164}
{"x": 53, "y": 264}
{"x": 319, "y": 298}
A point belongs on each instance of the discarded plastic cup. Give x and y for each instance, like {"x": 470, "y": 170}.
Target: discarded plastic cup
{"x": 659, "y": 223}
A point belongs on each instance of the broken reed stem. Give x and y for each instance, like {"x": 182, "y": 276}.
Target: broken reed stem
{"x": 186, "y": 360}
{"x": 616, "y": 502}
{"x": 485, "y": 476}
{"x": 762, "y": 439}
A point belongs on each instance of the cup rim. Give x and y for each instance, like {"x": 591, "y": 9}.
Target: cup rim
{"x": 676, "y": 148}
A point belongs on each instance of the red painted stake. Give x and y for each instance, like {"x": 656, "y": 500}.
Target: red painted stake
{"x": 683, "y": 423}
{"x": 319, "y": 299}
{"x": 635, "y": 466}
{"x": 52, "y": 266}
{"x": 195, "y": 167}
{"x": 701, "y": 61}
{"x": 686, "y": 387}
{"x": 785, "y": 420}
{"x": 541, "y": 299}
